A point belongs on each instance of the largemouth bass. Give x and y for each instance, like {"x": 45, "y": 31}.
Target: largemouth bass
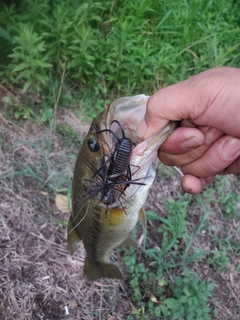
{"x": 107, "y": 204}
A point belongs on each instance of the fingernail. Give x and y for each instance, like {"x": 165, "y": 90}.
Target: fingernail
{"x": 230, "y": 148}
{"x": 142, "y": 129}
{"x": 191, "y": 143}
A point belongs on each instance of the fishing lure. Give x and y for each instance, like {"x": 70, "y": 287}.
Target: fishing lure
{"x": 117, "y": 176}
{"x": 114, "y": 172}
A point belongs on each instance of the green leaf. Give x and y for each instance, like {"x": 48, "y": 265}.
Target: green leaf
{"x": 164, "y": 310}
{"x": 151, "y": 215}
{"x": 26, "y": 86}
{"x": 4, "y": 34}
{"x": 157, "y": 311}
{"x": 178, "y": 281}
{"x": 210, "y": 286}
{"x": 191, "y": 316}
{"x": 171, "y": 303}
{"x": 21, "y": 66}
{"x": 183, "y": 299}
{"x": 187, "y": 272}
{"x": 186, "y": 292}
{"x": 237, "y": 268}
{"x": 194, "y": 257}
{"x": 206, "y": 310}
{"x": 167, "y": 246}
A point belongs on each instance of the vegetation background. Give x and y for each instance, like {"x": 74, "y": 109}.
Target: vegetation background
{"x": 61, "y": 63}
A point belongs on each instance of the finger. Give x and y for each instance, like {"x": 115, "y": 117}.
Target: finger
{"x": 234, "y": 168}
{"x": 161, "y": 107}
{"x": 194, "y": 185}
{"x": 220, "y": 156}
{"x": 182, "y": 140}
{"x": 207, "y": 98}
{"x": 182, "y": 159}
{"x": 188, "y": 123}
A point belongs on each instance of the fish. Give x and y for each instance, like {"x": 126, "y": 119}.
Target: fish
{"x": 103, "y": 227}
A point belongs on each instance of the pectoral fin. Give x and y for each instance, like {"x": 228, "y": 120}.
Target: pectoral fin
{"x": 142, "y": 218}
{"x": 73, "y": 237}
{"x": 128, "y": 242}
{"x": 95, "y": 270}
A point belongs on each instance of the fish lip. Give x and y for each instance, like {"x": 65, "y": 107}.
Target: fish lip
{"x": 122, "y": 110}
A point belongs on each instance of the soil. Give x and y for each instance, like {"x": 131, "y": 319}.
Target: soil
{"x": 39, "y": 279}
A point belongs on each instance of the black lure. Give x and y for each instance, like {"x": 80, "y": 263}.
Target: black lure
{"x": 115, "y": 172}
{"x": 118, "y": 173}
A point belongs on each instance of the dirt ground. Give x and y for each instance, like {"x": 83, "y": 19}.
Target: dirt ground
{"x": 38, "y": 277}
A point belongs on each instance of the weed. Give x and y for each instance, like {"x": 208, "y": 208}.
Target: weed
{"x": 69, "y": 135}
{"x": 165, "y": 171}
{"x": 218, "y": 260}
{"x": 175, "y": 223}
{"x": 19, "y": 110}
{"x": 29, "y": 59}
{"x": 190, "y": 297}
{"x": 43, "y": 175}
{"x": 222, "y": 194}
{"x": 155, "y": 293}
{"x": 156, "y": 298}
{"x": 46, "y": 112}
{"x": 165, "y": 287}
{"x": 227, "y": 199}
{"x": 119, "y": 48}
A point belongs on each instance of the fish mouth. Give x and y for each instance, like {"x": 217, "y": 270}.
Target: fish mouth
{"x": 129, "y": 111}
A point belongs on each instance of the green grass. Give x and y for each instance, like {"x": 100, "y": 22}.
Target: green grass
{"x": 68, "y": 135}
{"x": 108, "y": 48}
{"x": 42, "y": 173}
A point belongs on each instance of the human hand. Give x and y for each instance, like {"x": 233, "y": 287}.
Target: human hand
{"x": 208, "y": 141}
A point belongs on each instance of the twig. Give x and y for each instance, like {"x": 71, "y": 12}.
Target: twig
{"x": 179, "y": 171}
{"x": 3, "y": 119}
{"x": 56, "y": 99}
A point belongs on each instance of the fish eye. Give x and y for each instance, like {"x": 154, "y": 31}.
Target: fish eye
{"x": 93, "y": 145}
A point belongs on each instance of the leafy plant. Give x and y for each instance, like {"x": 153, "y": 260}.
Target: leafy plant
{"x": 28, "y": 58}
{"x": 218, "y": 259}
{"x": 157, "y": 295}
{"x": 228, "y": 200}
{"x": 190, "y": 297}
{"x": 187, "y": 298}
{"x": 175, "y": 223}
{"x": 111, "y": 49}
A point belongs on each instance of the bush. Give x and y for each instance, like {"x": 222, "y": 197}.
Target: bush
{"x": 105, "y": 49}
{"x": 124, "y": 43}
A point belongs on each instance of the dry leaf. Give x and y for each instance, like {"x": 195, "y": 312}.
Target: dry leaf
{"x": 72, "y": 304}
{"x": 44, "y": 193}
{"x": 153, "y": 299}
{"x": 62, "y": 203}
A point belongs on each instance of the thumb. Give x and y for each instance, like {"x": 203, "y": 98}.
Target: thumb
{"x": 173, "y": 103}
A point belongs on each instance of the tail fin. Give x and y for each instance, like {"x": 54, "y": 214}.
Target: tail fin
{"x": 95, "y": 270}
